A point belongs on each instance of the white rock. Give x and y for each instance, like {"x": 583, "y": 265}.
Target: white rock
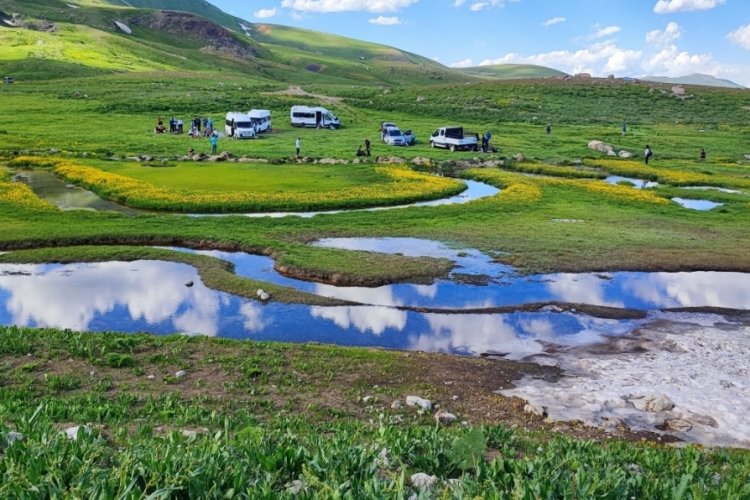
{"x": 296, "y": 487}
{"x": 367, "y": 399}
{"x": 264, "y": 296}
{"x": 652, "y": 402}
{"x": 444, "y": 417}
{"x": 259, "y": 292}
{"x": 151, "y": 377}
{"x": 423, "y": 481}
{"x": 72, "y": 432}
{"x": 396, "y": 405}
{"x": 124, "y": 27}
{"x": 625, "y": 154}
{"x": 424, "y": 404}
{"x": 189, "y": 433}
{"x": 180, "y": 374}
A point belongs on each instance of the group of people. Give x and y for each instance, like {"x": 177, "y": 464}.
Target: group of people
{"x": 199, "y": 127}
{"x": 366, "y": 151}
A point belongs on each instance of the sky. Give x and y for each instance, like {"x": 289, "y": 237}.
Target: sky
{"x": 601, "y": 37}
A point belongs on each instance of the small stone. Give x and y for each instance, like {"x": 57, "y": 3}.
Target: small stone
{"x": 72, "y": 432}
{"x": 533, "y": 409}
{"x": 396, "y": 405}
{"x": 424, "y": 404}
{"x": 384, "y": 459}
{"x": 92, "y": 373}
{"x": 677, "y": 425}
{"x": 259, "y": 292}
{"x": 189, "y": 433}
{"x": 454, "y": 398}
{"x": 264, "y": 296}
{"x": 296, "y": 487}
{"x": 445, "y": 418}
{"x": 367, "y": 399}
{"x": 151, "y": 377}
{"x": 180, "y": 374}
{"x": 423, "y": 481}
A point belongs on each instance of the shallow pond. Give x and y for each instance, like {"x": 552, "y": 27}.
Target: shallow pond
{"x": 638, "y": 183}
{"x": 702, "y": 205}
{"x": 479, "y": 283}
{"x": 152, "y": 296}
{"x": 48, "y": 186}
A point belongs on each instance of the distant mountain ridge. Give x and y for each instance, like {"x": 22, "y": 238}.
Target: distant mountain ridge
{"x": 695, "y": 79}
{"x": 511, "y": 71}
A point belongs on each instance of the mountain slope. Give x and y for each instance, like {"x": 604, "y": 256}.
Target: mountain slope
{"x": 219, "y": 42}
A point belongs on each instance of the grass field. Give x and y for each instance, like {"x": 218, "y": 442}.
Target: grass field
{"x": 264, "y": 419}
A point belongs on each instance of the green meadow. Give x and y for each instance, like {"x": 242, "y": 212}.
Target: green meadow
{"x": 273, "y": 420}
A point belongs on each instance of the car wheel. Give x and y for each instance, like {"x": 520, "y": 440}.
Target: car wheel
{"x": 332, "y": 126}
{"x": 453, "y": 147}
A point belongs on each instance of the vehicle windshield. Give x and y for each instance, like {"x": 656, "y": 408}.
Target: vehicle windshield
{"x": 394, "y": 132}
{"x": 243, "y": 124}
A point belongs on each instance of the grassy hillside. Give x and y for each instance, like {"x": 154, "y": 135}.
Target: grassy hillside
{"x": 511, "y": 71}
{"x": 196, "y": 38}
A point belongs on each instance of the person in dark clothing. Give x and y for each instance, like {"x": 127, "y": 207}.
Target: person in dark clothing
{"x": 548, "y": 129}
{"x": 360, "y": 151}
{"x": 647, "y": 153}
{"x": 367, "y": 147}
{"x": 703, "y": 154}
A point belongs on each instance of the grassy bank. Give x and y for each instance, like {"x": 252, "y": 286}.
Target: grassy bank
{"x": 257, "y": 419}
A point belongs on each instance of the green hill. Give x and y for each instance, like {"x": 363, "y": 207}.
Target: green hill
{"x": 511, "y": 71}
{"x": 54, "y": 38}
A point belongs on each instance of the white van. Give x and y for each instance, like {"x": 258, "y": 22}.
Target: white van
{"x": 239, "y": 126}
{"x": 261, "y": 118}
{"x": 309, "y": 116}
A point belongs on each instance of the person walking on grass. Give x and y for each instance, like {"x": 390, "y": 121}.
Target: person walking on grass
{"x": 298, "y": 145}
{"x": 367, "y": 146}
{"x": 214, "y": 143}
{"x": 647, "y": 153}
{"x": 548, "y": 129}
{"x": 703, "y": 154}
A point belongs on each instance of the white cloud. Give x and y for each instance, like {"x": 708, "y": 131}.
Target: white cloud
{"x": 672, "y": 6}
{"x": 385, "y": 21}
{"x": 599, "y": 59}
{"x": 264, "y": 13}
{"x": 466, "y": 63}
{"x": 671, "y": 33}
{"x": 606, "y": 31}
{"x": 741, "y": 36}
{"x": 487, "y": 4}
{"x": 458, "y": 3}
{"x": 554, "y": 20}
{"x": 671, "y": 62}
{"x": 347, "y": 5}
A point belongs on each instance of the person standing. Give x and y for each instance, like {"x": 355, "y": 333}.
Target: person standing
{"x": 548, "y": 129}
{"x": 624, "y": 128}
{"x": 367, "y": 146}
{"x": 180, "y": 126}
{"x": 214, "y": 143}
{"x": 298, "y": 145}
{"x": 647, "y": 153}
{"x": 703, "y": 154}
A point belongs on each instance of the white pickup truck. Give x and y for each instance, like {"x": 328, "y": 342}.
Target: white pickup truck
{"x": 453, "y": 138}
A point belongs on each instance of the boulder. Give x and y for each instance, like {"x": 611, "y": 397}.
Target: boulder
{"x": 180, "y": 374}
{"x": 678, "y": 90}
{"x": 652, "y": 403}
{"x": 625, "y": 154}
{"x": 264, "y": 296}
{"x": 532, "y": 409}
{"x": 421, "y": 160}
{"x": 611, "y": 152}
{"x": 422, "y": 403}
{"x": 600, "y": 146}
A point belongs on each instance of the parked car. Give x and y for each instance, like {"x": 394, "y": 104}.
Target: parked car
{"x": 394, "y": 136}
{"x": 239, "y": 126}
{"x": 454, "y": 138}
{"x": 313, "y": 116}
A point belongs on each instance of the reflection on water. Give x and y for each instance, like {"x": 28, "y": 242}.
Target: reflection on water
{"x": 151, "y": 296}
{"x": 713, "y": 188}
{"x": 638, "y": 183}
{"x": 48, "y": 186}
{"x": 702, "y": 205}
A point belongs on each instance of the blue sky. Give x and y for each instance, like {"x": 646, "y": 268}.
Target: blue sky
{"x": 602, "y": 37}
